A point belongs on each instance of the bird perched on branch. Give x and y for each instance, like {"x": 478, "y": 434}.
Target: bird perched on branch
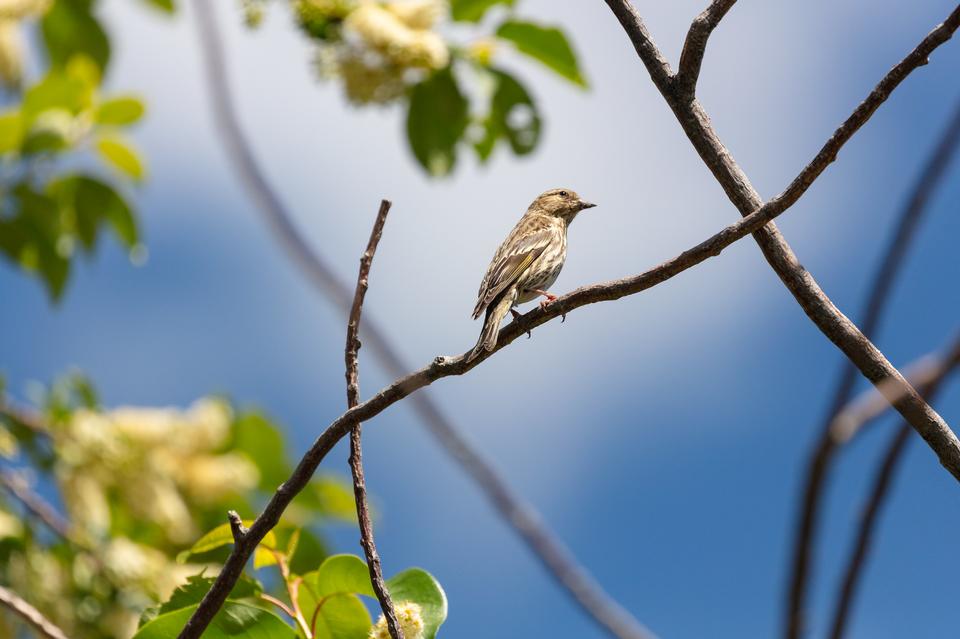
{"x": 527, "y": 262}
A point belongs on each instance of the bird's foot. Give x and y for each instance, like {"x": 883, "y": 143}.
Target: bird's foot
{"x": 517, "y": 318}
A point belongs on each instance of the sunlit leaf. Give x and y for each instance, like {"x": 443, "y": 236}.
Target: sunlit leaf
{"x": 420, "y": 587}
{"x": 548, "y": 45}
{"x": 166, "y": 6}
{"x": 333, "y": 589}
{"x": 120, "y": 111}
{"x": 122, "y": 156}
{"x": 343, "y": 573}
{"x": 223, "y": 536}
{"x": 11, "y": 131}
{"x": 474, "y": 10}
{"x": 234, "y": 621}
{"x": 195, "y": 589}
{"x": 436, "y": 120}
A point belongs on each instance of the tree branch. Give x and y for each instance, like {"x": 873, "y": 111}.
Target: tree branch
{"x": 517, "y": 514}
{"x": 31, "y": 615}
{"x": 36, "y": 505}
{"x": 882, "y": 482}
{"x": 685, "y": 83}
{"x": 832, "y": 430}
{"x": 801, "y": 284}
{"x": 356, "y": 452}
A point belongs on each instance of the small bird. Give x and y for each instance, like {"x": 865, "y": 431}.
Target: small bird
{"x": 527, "y": 262}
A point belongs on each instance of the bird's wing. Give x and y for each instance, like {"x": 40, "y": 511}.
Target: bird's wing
{"x": 519, "y": 251}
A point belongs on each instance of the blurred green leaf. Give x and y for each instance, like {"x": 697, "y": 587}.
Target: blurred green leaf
{"x": 234, "y": 621}
{"x": 165, "y": 6}
{"x": 548, "y": 45}
{"x": 436, "y": 120}
{"x": 32, "y": 238}
{"x": 91, "y": 202}
{"x": 310, "y": 552}
{"x": 223, "y": 536}
{"x": 121, "y": 155}
{"x": 69, "y": 29}
{"x": 420, "y": 587}
{"x": 120, "y": 111}
{"x": 57, "y": 90}
{"x": 513, "y": 116}
{"x": 260, "y": 440}
{"x": 335, "y": 497}
{"x": 11, "y": 131}
{"x": 474, "y": 10}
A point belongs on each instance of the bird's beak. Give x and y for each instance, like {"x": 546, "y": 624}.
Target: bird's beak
{"x": 586, "y": 205}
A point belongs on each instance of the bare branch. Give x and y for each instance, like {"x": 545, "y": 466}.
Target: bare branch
{"x": 685, "y": 82}
{"x": 356, "y": 452}
{"x": 17, "y": 486}
{"x": 517, "y": 514}
{"x": 31, "y": 615}
{"x": 936, "y": 376}
{"x": 831, "y": 432}
{"x": 815, "y": 303}
{"x": 237, "y": 529}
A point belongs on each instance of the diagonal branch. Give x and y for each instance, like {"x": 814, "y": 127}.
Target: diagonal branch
{"x": 834, "y": 431}
{"x": 31, "y": 615}
{"x": 685, "y": 83}
{"x": 801, "y": 284}
{"x": 517, "y": 514}
{"x": 356, "y": 452}
{"x": 37, "y": 506}
{"x": 936, "y": 370}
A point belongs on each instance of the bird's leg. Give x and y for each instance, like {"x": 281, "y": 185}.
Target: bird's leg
{"x": 516, "y": 318}
{"x": 545, "y": 303}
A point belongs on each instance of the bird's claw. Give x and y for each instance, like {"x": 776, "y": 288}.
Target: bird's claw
{"x": 516, "y": 318}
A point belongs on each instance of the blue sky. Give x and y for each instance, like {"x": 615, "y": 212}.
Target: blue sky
{"x": 663, "y": 436}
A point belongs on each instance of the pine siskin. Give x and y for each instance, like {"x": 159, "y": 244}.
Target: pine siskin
{"x": 527, "y": 262}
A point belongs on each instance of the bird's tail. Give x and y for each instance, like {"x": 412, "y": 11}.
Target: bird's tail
{"x": 491, "y": 324}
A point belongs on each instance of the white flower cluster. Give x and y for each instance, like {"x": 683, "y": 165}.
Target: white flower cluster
{"x": 12, "y": 12}
{"x": 410, "y": 617}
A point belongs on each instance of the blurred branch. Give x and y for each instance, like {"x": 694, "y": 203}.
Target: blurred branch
{"x": 31, "y": 615}
{"x": 17, "y": 486}
{"x": 934, "y": 369}
{"x": 356, "y": 452}
{"x": 522, "y": 517}
{"x": 835, "y": 430}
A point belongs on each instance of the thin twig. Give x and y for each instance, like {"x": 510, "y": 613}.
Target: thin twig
{"x": 821, "y": 456}
{"x": 37, "y": 506}
{"x": 801, "y": 284}
{"x": 939, "y": 369}
{"x": 356, "y": 452}
{"x": 31, "y": 615}
{"x": 517, "y": 514}
{"x": 694, "y": 46}
{"x": 832, "y": 322}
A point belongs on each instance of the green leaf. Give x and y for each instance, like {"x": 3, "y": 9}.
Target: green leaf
{"x": 234, "y": 621}
{"x": 259, "y": 439}
{"x": 334, "y": 497}
{"x": 122, "y": 156}
{"x": 223, "y": 536}
{"x": 121, "y": 111}
{"x": 310, "y": 552}
{"x": 57, "y": 90}
{"x": 341, "y": 617}
{"x": 473, "y": 10}
{"x": 32, "y": 238}
{"x": 419, "y": 586}
{"x": 90, "y": 201}
{"x": 165, "y": 6}
{"x": 548, "y": 45}
{"x": 513, "y": 116}
{"x": 342, "y": 574}
{"x": 195, "y": 589}
{"x": 11, "y": 131}
{"x": 70, "y": 29}
{"x": 436, "y": 120}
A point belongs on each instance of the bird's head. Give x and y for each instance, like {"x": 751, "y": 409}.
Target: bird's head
{"x": 561, "y": 203}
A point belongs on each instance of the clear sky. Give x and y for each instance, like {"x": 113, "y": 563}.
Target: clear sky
{"x": 662, "y": 436}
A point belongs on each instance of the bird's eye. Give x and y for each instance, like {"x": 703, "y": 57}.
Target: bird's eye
{"x": 564, "y": 194}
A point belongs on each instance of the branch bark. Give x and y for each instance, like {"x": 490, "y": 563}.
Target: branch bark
{"x": 517, "y": 514}
{"x": 356, "y": 452}
{"x": 37, "y": 506}
{"x": 801, "y": 284}
{"x": 695, "y": 44}
{"x": 935, "y": 370}
{"x": 31, "y": 615}
{"x": 833, "y": 431}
